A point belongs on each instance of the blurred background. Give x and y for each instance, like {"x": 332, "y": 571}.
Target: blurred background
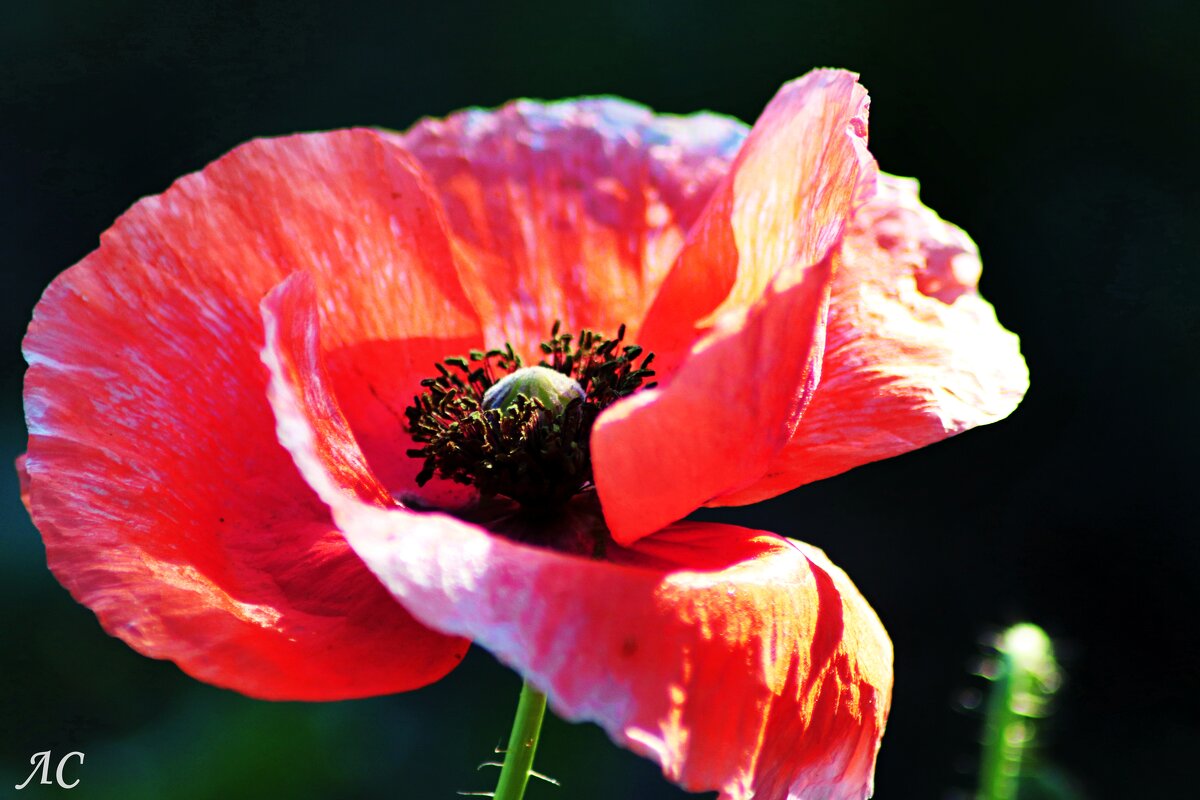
{"x": 1061, "y": 136}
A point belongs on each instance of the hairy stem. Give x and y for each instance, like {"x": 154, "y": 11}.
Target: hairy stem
{"x": 522, "y": 744}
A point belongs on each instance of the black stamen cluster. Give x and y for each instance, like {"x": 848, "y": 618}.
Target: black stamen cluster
{"x": 525, "y": 452}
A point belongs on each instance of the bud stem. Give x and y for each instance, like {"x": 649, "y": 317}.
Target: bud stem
{"x": 522, "y": 744}
{"x": 1026, "y": 676}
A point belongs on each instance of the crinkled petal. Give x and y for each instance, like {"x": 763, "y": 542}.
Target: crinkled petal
{"x": 736, "y": 659}
{"x": 570, "y": 211}
{"x": 165, "y": 501}
{"x": 23, "y": 480}
{"x": 293, "y": 357}
{"x": 913, "y": 353}
{"x": 751, "y": 289}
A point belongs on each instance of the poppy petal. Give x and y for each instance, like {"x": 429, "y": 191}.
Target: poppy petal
{"x": 570, "y": 211}
{"x": 913, "y": 353}
{"x": 738, "y": 660}
{"x": 165, "y": 501}
{"x": 23, "y": 480}
{"x": 767, "y": 242}
{"x": 292, "y": 355}
{"x": 732, "y": 657}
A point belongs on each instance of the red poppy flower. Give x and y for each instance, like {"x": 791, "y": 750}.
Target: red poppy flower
{"x": 807, "y": 315}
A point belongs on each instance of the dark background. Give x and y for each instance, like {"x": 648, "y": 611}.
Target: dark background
{"x": 1062, "y": 138}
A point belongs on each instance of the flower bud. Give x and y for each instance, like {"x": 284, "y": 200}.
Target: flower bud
{"x": 554, "y": 389}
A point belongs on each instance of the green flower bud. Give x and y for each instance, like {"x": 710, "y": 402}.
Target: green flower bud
{"x": 554, "y": 389}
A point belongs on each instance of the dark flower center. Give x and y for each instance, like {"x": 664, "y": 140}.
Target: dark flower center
{"x": 523, "y": 432}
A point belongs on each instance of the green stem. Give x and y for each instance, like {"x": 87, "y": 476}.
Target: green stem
{"x": 1026, "y": 676}
{"x": 522, "y": 744}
